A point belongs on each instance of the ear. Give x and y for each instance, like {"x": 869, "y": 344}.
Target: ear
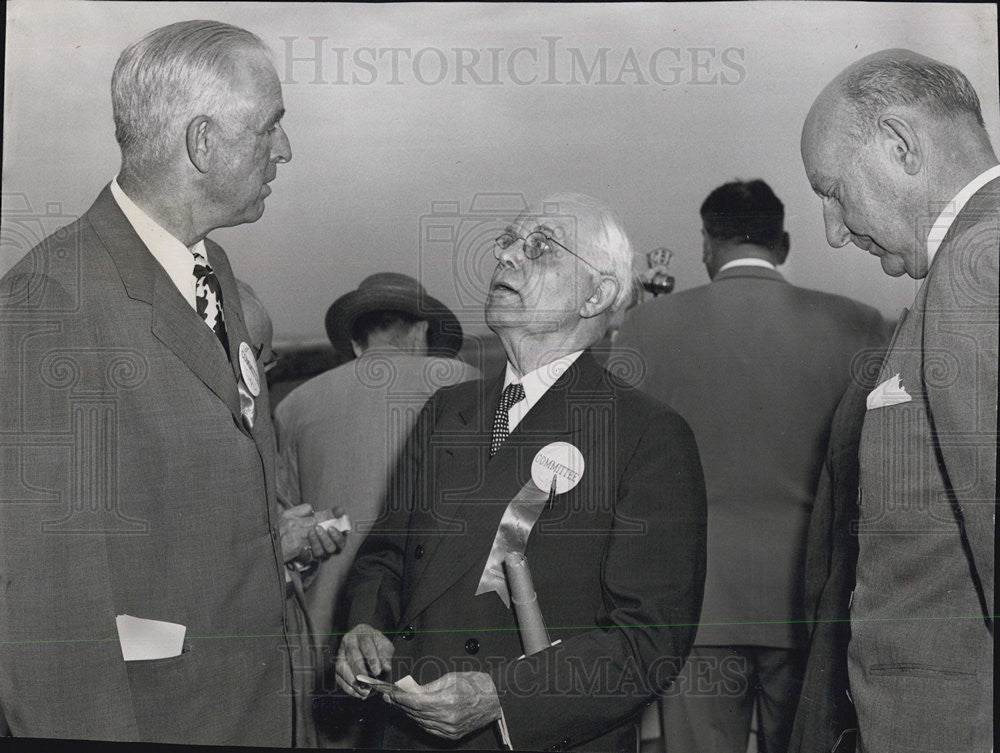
{"x": 707, "y": 248}
{"x": 904, "y": 146}
{"x": 780, "y": 252}
{"x": 356, "y": 347}
{"x": 601, "y": 299}
{"x": 198, "y": 142}
{"x": 419, "y": 336}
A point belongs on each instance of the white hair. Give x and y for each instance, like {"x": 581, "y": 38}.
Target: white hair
{"x": 602, "y": 230}
{"x": 172, "y": 75}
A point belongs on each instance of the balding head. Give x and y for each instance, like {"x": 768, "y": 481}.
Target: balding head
{"x": 890, "y": 139}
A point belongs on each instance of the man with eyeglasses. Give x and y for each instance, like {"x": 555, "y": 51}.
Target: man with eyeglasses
{"x": 599, "y": 486}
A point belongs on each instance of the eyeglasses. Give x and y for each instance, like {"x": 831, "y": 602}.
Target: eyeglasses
{"x": 536, "y": 245}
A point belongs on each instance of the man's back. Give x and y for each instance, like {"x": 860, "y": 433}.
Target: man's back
{"x": 756, "y": 366}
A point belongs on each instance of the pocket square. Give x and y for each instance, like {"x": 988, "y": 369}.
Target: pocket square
{"x": 890, "y": 392}
{"x": 143, "y": 639}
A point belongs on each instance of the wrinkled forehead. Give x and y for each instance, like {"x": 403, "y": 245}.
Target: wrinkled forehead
{"x": 566, "y": 223}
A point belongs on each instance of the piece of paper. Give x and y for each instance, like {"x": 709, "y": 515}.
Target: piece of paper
{"x": 142, "y": 639}
{"x": 407, "y": 684}
{"x": 326, "y": 522}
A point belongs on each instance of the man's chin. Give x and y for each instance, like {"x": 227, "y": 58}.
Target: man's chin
{"x": 892, "y": 266}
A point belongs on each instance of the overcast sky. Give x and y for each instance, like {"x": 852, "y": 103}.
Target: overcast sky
{"x": 416, "y": 129}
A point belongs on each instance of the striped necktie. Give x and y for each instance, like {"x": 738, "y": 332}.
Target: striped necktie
{"x": 208, "y": 298}
{"x": 513, "y": 393}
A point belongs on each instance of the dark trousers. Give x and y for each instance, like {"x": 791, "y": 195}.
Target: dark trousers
{"x": 709, "y": 707}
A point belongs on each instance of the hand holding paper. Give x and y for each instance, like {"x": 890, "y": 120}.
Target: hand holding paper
{"x": 452, "y": 706}
{"x": 308, "y": 536}
{"x": 364, "y": 651}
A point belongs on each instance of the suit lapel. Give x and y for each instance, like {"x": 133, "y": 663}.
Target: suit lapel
{"x": 173, "y": 321}
{"x": 496, "y": 480}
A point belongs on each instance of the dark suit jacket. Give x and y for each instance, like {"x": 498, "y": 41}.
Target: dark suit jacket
{"x": 921, "y": 617}
{"x": 756, "y": 366}
{"x": 825, "y": 710}
{"x": 130, "y": 487}
{"x": 618, "y": 562}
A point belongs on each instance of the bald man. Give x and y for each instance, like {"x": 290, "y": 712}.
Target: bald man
{"x": 896, "y": 149}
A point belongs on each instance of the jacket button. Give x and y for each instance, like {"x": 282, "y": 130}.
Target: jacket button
{"x": 407, "y": 634}
{"x": 418, "y": 552}
{"x": 565, "y": 742}
{"x": 472, "y": 646}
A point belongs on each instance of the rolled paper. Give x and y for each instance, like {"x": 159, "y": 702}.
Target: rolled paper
{"x": 534, "y": 636}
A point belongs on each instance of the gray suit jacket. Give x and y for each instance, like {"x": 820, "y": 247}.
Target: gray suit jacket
{"x": 921, "y": 625}
{"x": 756, "y": 366}
{"x": 130, "y": 487}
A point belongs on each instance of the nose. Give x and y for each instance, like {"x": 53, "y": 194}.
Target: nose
{"x": 281, "y": 147}
{"x": 513, "y": 255}
{"x": 837, "y": 234}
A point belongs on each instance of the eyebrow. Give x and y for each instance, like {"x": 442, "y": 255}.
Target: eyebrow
{"x": 274, "y": 119}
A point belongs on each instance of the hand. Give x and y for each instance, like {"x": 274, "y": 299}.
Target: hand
{"x": 294, "y": 526}
{"x": 326, "y": 541}
{"x": 323, "y": 542}
{"x": 363, "y": 651}
{"x": 453, "y": 705}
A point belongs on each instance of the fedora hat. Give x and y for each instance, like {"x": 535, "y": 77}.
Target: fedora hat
{"x": 393, "y": 291}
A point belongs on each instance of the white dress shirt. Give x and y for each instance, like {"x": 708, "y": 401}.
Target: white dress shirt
{"x": 535, "y": 383}
{"x": 952, "y": 209}
{"x": 747, "y": 261}
{"x": 175, "y": 258}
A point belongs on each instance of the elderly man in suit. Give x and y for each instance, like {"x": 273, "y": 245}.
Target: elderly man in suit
{"x": 896, "y": 149}
{"x": 757, "y": 366}
{"x": 405, "y": 344}
{"x": 143, "y": 592}
{"x": 617, "y": 554}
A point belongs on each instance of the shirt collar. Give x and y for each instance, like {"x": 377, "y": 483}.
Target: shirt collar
{"x": 536, "y": 383}
{"x": 953, "y": 208}
{"x": 747, "y": 261}
{"x": 175, "y": 258}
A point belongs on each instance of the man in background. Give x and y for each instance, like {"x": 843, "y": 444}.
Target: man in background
{"x": 896, "y": 149}
{"x": 340, "y": 435}
{"x": 757, "y": 367}
{"x": 143, "y": 593}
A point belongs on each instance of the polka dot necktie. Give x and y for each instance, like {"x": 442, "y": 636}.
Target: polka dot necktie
{"x": 512, "y": 394}
{"x": 208, "y": 298}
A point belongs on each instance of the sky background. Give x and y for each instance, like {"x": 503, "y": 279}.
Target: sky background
{"x": 418, "y": 129}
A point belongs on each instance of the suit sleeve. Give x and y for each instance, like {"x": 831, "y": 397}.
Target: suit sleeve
{"x": 61, "y": 668}
{"x": 960, "y": 374}
{"x": 288, "y": 488}
{"x": 652, "y": 586}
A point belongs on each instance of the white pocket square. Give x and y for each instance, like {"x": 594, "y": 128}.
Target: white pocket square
{"x": 143, "y": 639}
{"x": 890, "y": 392}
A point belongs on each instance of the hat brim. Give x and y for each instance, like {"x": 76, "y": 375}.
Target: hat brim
{"x": 444, "y": 332}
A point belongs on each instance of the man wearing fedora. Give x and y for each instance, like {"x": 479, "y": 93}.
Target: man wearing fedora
{"x": 340, "y": 433}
